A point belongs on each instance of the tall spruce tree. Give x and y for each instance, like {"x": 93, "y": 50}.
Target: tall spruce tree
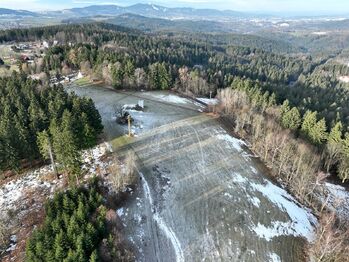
{"x": 291, "y": 119}
{"x": 46, "y": 149}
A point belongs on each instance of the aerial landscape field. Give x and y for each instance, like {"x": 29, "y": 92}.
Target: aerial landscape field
{"x": 174, "y": 131}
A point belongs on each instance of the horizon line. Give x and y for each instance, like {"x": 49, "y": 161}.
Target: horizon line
{"x": 256, "y": 12}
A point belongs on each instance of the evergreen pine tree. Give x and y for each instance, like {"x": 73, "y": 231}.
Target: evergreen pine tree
{"x": 94, "y": 256}
{"x": 291, "y": 119}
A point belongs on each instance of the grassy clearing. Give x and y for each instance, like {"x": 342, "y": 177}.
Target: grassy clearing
{"x": 7, "y": 72}
{"x": 121, "y": 142}
{"x": 82, "y": 81}
{"x": 5, "y": 50}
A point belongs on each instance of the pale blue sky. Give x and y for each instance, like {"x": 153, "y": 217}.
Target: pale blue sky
{"x": 264, "y": 6}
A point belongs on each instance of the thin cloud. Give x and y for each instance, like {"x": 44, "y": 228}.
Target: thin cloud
{"x": 194, "y": 1}
{"x": 84, "y": 2}
{"x": 94, "y": 2}
{"x": 17, "y": 1}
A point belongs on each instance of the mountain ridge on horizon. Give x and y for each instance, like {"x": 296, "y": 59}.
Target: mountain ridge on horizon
{"x": 148, "y": 10}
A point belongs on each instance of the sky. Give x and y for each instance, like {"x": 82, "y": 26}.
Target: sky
{"x": 256, "y": 6}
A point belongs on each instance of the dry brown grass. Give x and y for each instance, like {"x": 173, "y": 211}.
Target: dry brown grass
{"x": 26, "y": 224}
{"x": 121, "y": 178}
{"x": 4, "y": 235}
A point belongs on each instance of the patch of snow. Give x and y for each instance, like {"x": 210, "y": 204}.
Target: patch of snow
{"x": 138, "y": 218}
{"x": 155, "y": 7}
{"x": 172, "y": 99}
{"x": 252, "y": 252}
{"x": 208, "y": 101}
{"x": 336, "y": 198}
{"x": 199, "y": 105}
{"x": 277, "y": 229}
{"x": 339, "y": 192}
{"x": 253, "y": 170}
{"x": 14, "y": 190}
{"x": 232, "y": 141}
{"x": 302, "y": 220}
{"x": 319, "y": 33}
{"x": 248, "y": 155}
{"x": 120, "y": 212}
{"x": 284, "y": 25}
{"x": 13, "y": 193}
{"x": 228, "y": 195}
{"x": 129, "y": 106}
{"x": 239, "y": 178}
{"x": 13, "y": 243}
{"x": 11, "y": 248}
{"x": 274, "y": 257}
{"x": 255, "y": 201}
{"x": 344, "y": 79}
{"x": 13, "y": 239}
{"x": 108, "y": 147}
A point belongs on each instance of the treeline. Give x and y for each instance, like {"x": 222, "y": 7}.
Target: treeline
{"x": 104, "y": 52}
{"x": 63, "y": 122}
{"x": 256, "y": 119}
{"x": 75, "y": 229}
{"x": 129, "y": 60}
{"x": 319, "y": 91}
{"x": 327, "y": 147}
{"x": 65, "y": 33}
{"x": 283, "y": 138}
{"x": 265, "y": 42}
{"x": 306, "y": 84}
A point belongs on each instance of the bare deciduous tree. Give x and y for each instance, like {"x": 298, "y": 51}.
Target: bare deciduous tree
{"x": 121, "y": 178}
{"x": 331, "y": 244}
{"x": 297, "y": 163}
{"x": 140, "y": 77}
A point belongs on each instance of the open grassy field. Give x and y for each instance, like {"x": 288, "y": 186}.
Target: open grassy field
{"x": 202, "y": 193}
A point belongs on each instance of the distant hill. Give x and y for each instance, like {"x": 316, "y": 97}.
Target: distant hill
{"x": 217, "y": 33}
{"x": 93, "y": 10}
{"x": 149, "y": 10}
{"x": 16, "y": 13}
{"x": 148, "y": 24}
{"x": 154, "y": 24}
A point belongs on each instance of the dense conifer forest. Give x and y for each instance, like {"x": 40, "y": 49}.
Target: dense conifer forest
{"x": 76, "y": 228}
{"x": 35, "y": 118}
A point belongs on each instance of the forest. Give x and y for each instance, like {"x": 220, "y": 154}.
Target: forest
{"x": 35, "y": 119}
{"x": 130, "y": 59}
{"x": 307, "y": 87}
{"x": 76, "y": 228}
{"x": 68, "y": 232}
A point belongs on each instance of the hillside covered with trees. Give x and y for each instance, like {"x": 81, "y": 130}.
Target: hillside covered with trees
{"x": 307, "y": 86}
{"x": 292, "y": 109}
{"x": 76, "y": 228}
{"x": 35, "y": 119}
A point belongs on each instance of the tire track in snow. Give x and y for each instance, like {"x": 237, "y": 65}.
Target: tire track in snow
{"x": 162, "y": 225}
{"x": 160, "y": 222}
